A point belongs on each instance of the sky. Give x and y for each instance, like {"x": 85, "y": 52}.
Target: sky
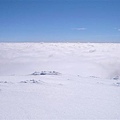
{"x": 59, "y": 20}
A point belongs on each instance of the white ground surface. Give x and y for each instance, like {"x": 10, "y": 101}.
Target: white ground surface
{"x": 85, "y": 89}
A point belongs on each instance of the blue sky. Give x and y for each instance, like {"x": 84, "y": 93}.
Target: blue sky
{"x": 59, "y": 20}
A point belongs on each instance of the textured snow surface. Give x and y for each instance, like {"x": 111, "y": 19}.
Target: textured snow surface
{"x": 59, "y": 81}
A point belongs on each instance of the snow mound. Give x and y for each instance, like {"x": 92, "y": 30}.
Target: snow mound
{"x": 46, "y": 73}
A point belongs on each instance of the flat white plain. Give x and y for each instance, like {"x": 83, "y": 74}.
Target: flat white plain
{"x": 88, "y": 86}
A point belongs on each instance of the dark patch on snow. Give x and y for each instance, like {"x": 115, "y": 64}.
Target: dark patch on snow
{"x": 116, "y": 77}
{"x": 94, "y": 77}
{"x": 23, "y": 81}
{"x": 32, "y": 81}
{"x": 46, "y": 73}
{"x": 91, "y": 51}
{"x": 117, "y": 84}
{"x": 3, "y": 82}
{"x": 60, "y": 84}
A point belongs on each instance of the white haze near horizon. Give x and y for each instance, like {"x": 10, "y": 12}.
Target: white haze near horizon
{"x": 97, "y": 54}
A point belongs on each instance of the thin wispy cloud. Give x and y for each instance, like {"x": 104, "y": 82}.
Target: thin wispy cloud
{"x": 118, "y": 29}
{"x": 80, "y": 28}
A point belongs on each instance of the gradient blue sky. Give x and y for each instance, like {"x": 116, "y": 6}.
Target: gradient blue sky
{"x": 59, "y": 20}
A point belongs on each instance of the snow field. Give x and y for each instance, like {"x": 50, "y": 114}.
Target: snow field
{"x": 86, "y": 88}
